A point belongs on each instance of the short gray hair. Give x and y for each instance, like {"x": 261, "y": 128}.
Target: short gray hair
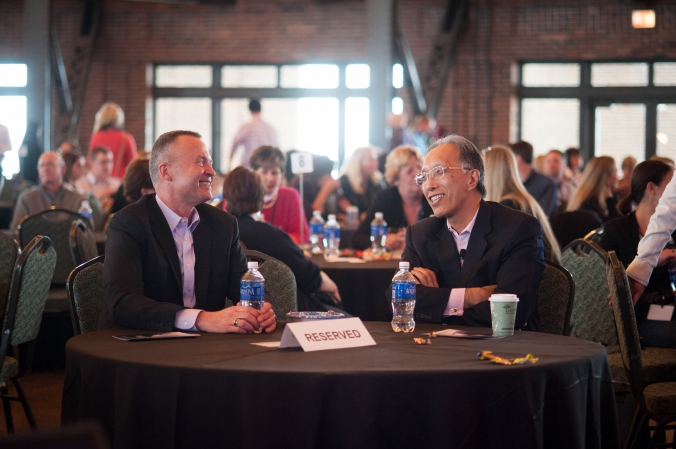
{"x": 470, "y": 156}
{"x": 162, "y": 144}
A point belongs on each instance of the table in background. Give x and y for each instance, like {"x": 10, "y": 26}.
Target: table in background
{"x": 362, "y": 286}
{"x": 221, "y": 391}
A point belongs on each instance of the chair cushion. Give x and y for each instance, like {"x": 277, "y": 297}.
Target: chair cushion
{"x": 659, "y": 365}
{"x": 661, "y": 398}
{"x": 10, "y": 368}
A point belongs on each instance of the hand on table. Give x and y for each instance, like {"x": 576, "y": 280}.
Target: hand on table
{"x": 475, "y": 295}
{"x": 666, "y": 257}
{"x": 223, "y": 321}
{"x": 267, "y": 320}
{"x": 425, "y": 277}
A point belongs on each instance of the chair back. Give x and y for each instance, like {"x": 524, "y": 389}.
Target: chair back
{"x": 82, "y": 242}
{"x": 9, "y": 251}
{"x": 85, "y": 294}
{"x": 568, "y": 226}
{"x": 30, "y": 285}
{"x": 595, "y": 235}
{"x": 555, "y": 299}
{"x": 55, "y": 224}
{"x": 625, "y": 320}
{"x": 591, "y": 317}
{"x": 280, "y": 283}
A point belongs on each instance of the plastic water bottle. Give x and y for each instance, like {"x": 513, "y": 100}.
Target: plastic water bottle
{"x": 86, "y": 211}
{"x": 672, "y": 275}
{"x": 252, "y": 287}
{"x": 316, "y": 233}
{"x": 378, "y": 234}
{"x": 331, "y": 239}
{"x": 403, "y": 299}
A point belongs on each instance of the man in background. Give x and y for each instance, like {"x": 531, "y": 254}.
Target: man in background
{"x": 98, "y": 180}
{"x": 541, "y": 187}
{"x": 555, "y": 167}
{"x": 254, "y": 134}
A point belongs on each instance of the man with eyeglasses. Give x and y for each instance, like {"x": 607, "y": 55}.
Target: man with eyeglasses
{"x": 50, "y": 193}
{"x": 471, "y": 248}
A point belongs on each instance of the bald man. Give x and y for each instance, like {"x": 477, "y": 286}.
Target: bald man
{"x": 50, "y": 193}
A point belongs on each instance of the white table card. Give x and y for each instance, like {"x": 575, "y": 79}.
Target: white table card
{"x": 301, "y": 162}
{"x": 320, "y": 335}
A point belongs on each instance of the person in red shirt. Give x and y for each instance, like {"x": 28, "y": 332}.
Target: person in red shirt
{"x": 109, "y": 132}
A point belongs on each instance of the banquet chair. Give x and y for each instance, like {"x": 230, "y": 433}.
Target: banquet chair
{"x": 28, "y": 295}
{"x": 54, "y": 223}
{"x": 656, "y": 401}
{"x": 85, "y": 294}
{"x": 555, "y": 299}
{"x": 591, "y": 317}
{"x": 82, "y": 242}
{"x": 9, "y": 251}
{"x": 280, "y": 283}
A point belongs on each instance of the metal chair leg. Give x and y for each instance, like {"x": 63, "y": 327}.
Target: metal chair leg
{"x": 7, "y": 407}
{"x": 26, "y": 406}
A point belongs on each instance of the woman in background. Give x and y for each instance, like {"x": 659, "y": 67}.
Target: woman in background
{"x": 281, "y": 207}
{"x": 402, "y": 204}
{"x": 75, "y": 168}
{"x": 361, "y": 180}
{"x": 595, "y": 190}
{"x": 623, "y": 235}
{"x": 624, "y": 185}
{"x": 244, "y": 192}
{"x": 504, "y": 186}
{"x": 109, "y": 132}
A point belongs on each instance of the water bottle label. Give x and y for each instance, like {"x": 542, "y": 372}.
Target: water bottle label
{"x": 331, "y": 233}
{"x": 379, "y": 230}
{"x": 403, "y": 291}
{"x": 252, "y": 291}
{"x": 87, "y": 215}
{"x": 316, "y": 228}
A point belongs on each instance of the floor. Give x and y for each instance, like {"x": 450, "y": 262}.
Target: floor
{"x": 43, "y": 389}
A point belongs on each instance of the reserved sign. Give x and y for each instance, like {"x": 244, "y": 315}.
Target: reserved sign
{"x": 326, "y": 334}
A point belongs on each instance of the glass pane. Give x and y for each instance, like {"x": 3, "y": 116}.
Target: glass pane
{"x": 317, "y": 126}
{"x": 13, "y": 75}
{"x": 278, "y": 112}
{"x": 357, "y": 76}
{"x": 552, "y": 123}
{"x": 249, "y": 76}
{"x": 664, "y": 74}
{"x": 619, "y": 74}
{"x": 397, "y": 105}
{"x": 620, "y": 131}
{"x": 13, "y": 116}
{"x": 666, "y": 130}
{"x": 310, "y": 76}
{"x": 192, "y": 114}
{"x": 184, "y": 76}
{"x": 356, "y": 124}
{"x": 398, "y": 76}
{"x": 550, "y": 75}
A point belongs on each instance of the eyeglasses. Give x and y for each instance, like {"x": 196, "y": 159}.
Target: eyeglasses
{"x": 435, "y": 173}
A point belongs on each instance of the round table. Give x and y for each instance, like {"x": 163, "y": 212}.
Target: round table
{"x": 222, "y": 391}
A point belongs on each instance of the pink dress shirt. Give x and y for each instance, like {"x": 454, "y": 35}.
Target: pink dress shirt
{"x": 182, "y": 229}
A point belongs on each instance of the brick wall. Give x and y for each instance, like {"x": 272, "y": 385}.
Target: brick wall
{"x": 479, "y": 96}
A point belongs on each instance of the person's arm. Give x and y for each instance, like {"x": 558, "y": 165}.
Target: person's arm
{"x": 21, "y": 209}
{"x": 662, "y": 224}
{"x": 236, "y": 142}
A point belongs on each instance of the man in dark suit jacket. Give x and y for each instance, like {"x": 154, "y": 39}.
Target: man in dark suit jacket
{"x": 171, "y": 260}
{"x": 472, "y": 248}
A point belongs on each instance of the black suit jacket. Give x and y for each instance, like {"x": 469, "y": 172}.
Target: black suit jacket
{"x": 142, "y": 276}
{"x": 505, "y": 249}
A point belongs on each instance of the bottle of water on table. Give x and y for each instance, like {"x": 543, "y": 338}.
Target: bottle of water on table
{"x": 86, "y": 211}
{"x": 403, "y": 299}
{"x": 378, "y": 234}
{"x": 252, "y": 289}
{"x": 316, "y": 233}
{"x": 331, "y": 239}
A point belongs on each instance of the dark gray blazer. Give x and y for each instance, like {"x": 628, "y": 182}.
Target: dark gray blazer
{"x": 505, "y": 249}
{"x": 142, "y": 276}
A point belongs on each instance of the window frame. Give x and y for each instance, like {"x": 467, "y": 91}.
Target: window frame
{"x": 217, "y": 93}
{"x": 590, "y": 97}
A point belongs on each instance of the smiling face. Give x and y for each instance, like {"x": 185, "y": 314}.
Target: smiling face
{"x": 454, "y": 195}
{"x": 189, "y": 171}
{"x": 272, "y": 178}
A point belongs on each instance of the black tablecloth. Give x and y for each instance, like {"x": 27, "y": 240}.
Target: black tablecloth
{"x": 362, "y": 286}
{"x": 221, "y": 391}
